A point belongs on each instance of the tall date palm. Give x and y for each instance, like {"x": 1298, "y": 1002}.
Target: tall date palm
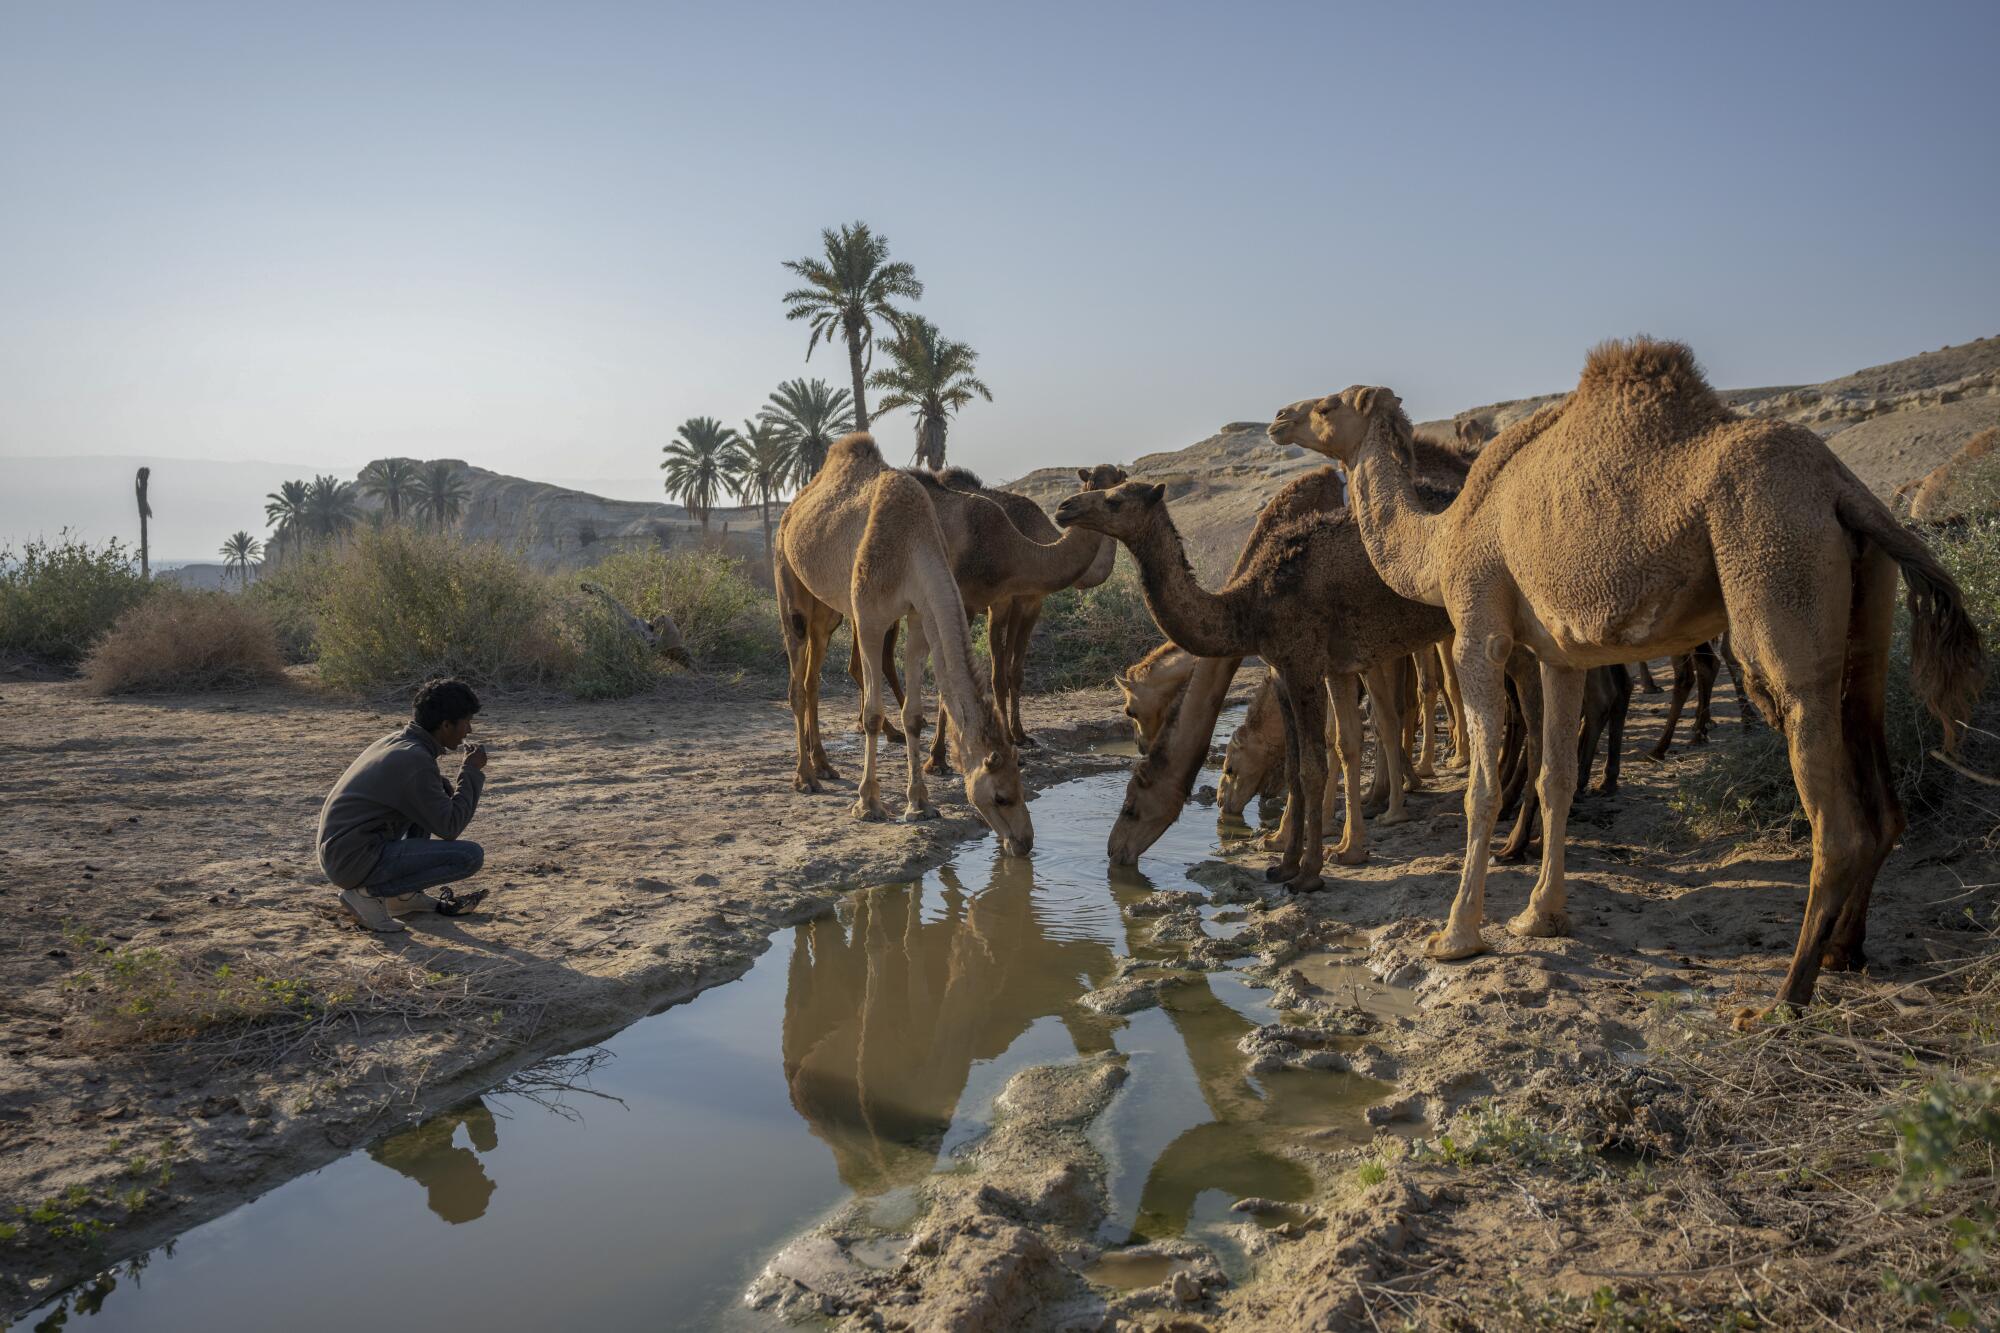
{"x": 810, "y": 415}
{"x": 931, "y": 375}
{"x": 701, "y": 463}
{"x": 331, "y": 508}
{"x": 439, "y": 492}
{"x": 285, "y": 510}
{"x": 766, "y": 466}
{"x": 239, "y": 553}
{"x": 849, "y": 287}
{"x": 391, "y": 481}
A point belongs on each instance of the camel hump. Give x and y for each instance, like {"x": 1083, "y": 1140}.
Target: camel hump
{"x": 858, "y": 446}
{"x": 961, "y": 479}
{"x": 1644, "y": 368}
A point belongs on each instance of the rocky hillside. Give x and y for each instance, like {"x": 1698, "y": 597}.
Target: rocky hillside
{"x": 1889, "y": 423}
{"x": 555, "y": 528}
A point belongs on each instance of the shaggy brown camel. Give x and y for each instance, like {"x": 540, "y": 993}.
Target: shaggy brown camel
{"x": 1312, "y": 607}
{"x": 1931, "y": 496}
{"x": 1010, "y": 621}
{"x": 863, "y": 541}
{"x": 1151, "y": 686}
{"x": 1253, "y": 761}
{"x": 995, "y": 564}
{"x": 1641, "y": 516}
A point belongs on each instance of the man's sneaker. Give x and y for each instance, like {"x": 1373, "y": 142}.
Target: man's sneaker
{"x": 407, "y": 903}
{"x": 370, "y": 912}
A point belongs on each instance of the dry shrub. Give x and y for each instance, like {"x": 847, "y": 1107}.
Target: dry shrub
{"x": 403, "y": 606}
{"x": 178, "y": 639}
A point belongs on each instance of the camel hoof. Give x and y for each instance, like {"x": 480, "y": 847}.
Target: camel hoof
{"x": 1608, "y": 789}
{"x": 1535, "y": 925}
{"x": 1398, "y": 817}
{"x": 1270, "y": 842}
{"x": 1278, "y": 872}
{"x": 868, "y": 812}
{"x": 1026, "y": 742}
{"x": 1446, "y": 948}
{"x": 1351, "y": 856}
{"x": 1656, "y": 756}
{"x": 937, "y": 766}
{"x": 1836, "y": 959}
{"x": 1307, "y": 884}
{"x": 920, "y": 814}
{"x": 1749, "y": 1018}
{"x": 1511, "y": 855}
{"x": 827, "y": 771}
{"x": 893, "y": 735}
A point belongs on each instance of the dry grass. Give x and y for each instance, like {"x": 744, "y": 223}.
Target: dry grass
{"x": 177, "y": 640}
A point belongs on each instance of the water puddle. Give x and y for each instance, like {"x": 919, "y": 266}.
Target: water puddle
{"x": 643, "y": 1184}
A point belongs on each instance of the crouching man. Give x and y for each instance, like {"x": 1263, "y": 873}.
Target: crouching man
{"x": 389, "y": 830}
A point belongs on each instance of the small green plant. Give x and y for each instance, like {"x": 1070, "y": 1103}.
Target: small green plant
{"x": 1370, "y": 1174}
{"x": 724, "y": 607}
{"x": 1482, "y": 1134}
{"x": 144, "y": 995}
{"x": 9, "y": 1231}
{"x": 1946, "y": 1137}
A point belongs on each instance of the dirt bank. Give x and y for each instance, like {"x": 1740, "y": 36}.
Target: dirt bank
{"x": 157, "y": 875}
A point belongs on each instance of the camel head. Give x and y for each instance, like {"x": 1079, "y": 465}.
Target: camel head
{"x": 1341, "y": 423}
{"x": 1125, "y": 511}
{"x": 1292, "y": 425}
{"x": 1100, "y": 478}
{"x": 1472, "y": 434}
{"x": 1253, "y": 765}
{"x": 994, "y": 788}
{"x": 1146, "y": 703}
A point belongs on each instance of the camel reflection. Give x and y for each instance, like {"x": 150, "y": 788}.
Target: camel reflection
{"x": 457, "y": 1184}
{"x": 887, "y": 1013}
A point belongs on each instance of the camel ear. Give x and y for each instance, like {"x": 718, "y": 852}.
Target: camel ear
{"x": 995, "y": 761}
{"x": 1083, "y": 475}
{"x": 1153, "y": 494}
{"x": 1373, "y": 398}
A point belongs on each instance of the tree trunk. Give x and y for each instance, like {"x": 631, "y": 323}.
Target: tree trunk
{"x": 854, "y": 368}
{"x": 145, "y": 512}
{"x": 766, "y": 507}
{"x": 930, "y": 443}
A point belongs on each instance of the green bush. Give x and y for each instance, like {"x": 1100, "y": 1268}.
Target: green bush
{"x": 605, "y": 659}
{"x": 403, "y": 606}
{"x": 289, "y": 592}
{"x": 1086, "y": 637}
{"x": 725, "y": 608}
{"x": 57, "y": 598}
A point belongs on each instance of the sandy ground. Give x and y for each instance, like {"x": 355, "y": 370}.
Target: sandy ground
{"x": 641, "y": 851}
{"x": 638, "y": 852}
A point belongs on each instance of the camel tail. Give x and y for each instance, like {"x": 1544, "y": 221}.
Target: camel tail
{"x": 1947, "y": 663}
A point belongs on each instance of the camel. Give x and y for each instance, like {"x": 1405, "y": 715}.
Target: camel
{"x": 1639, "y": 516}
{"x": 660, "y": 633}
{"x": 863, "y": 541}
{"x": 1011, "y": 625}
{"x": 1151, "y": 687}
{"x": 1931, "y": 496}
{"x": 1252, "y": 762}
{"x": 1311, "y": 606}
{"x": 995, "y": 564}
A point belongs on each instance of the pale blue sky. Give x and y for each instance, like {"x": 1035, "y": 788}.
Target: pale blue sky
{"x": 538, "y": 237}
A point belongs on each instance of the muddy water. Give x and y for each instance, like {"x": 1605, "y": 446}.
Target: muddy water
{"x": 860, "y": 1054}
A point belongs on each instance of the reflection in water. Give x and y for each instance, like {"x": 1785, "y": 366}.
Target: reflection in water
{"x": 886, "y": 1013}
{"x": 458, "y": 1185}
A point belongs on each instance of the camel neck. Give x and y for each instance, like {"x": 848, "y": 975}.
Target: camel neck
{"x": 1191, "y": 616}
{"x": 1394, "y": 528}
{"x": 951, "y": 658}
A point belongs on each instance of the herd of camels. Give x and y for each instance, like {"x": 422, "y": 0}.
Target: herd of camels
{"x": 1636, "y": 518}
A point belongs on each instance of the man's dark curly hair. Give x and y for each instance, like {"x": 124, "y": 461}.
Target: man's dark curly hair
{"x": 444, "y": 700}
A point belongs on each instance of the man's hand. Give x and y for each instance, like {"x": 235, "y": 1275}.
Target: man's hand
{"x": 475, "y": 758}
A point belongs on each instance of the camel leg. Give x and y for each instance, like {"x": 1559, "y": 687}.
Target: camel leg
{"x": 1683, "y": 682}
{"x": 817, "y": 642}
{"x": 1479, "y": 683}
{"x": 1524, "y": 719}
{"x": 1705, "y": 667}
{"x": 1296, "y": 818}
{"x": 1586, "y": 747}
{"x": 1308, "y": 700}
{"x": 940, "y": 760}
{"x": 1428, "y": 690}
{"x": 1647, "y": 685}
{"x": 1027, "y": 612}
{"x": 1547, "y": 912}
{"x": 1460, "y": 751}
{"x": 889, "y": 669}
{"x": 798, "y": 657}
{"x": 1862, "y": 725}
{"x": 1749, "y": 709}
{"x": 917, "y": 806}
{"x": 1353, "y": 848}
{"x": 1615, "y": 726}
{"x": 1388, "y": 731}
{"x": 868, "y": 800}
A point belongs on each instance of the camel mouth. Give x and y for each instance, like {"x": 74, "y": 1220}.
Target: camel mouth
{"x": 1017, "y": 846}
{"x": 1065, "y": 514}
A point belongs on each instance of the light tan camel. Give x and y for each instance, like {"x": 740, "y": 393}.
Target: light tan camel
{"x": 1010, "y": 626}
{"x": 1931, "y": 497}
{"x": 1638, "y": 517}
{"x": 862, "y": 541}
{"x": 1151, "y": 686}
{"x": 1312, "y": 607}
{"x": 995, "y": 564}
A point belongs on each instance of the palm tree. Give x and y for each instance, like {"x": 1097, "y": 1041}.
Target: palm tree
{"x": 390, "y": 480}
{"x": 933, "y": 376}
{"x": 145, "y": 512}
{"x": 766, "y": 466}
{"x": 810, "y": 415}
{"x": 239, "y": 553}
{"x": 285, "y": 511}
{"x": 439, "y": 491}
{"x": 701, "y": 463}
{"x": 331, "y": 507}
{"x": 846, "y": 292}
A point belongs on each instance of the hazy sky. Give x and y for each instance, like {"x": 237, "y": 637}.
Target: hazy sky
{"x": 539, "y": 237}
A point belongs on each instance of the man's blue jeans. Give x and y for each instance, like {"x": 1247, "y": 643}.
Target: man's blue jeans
{"x": 422, "y": 862}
